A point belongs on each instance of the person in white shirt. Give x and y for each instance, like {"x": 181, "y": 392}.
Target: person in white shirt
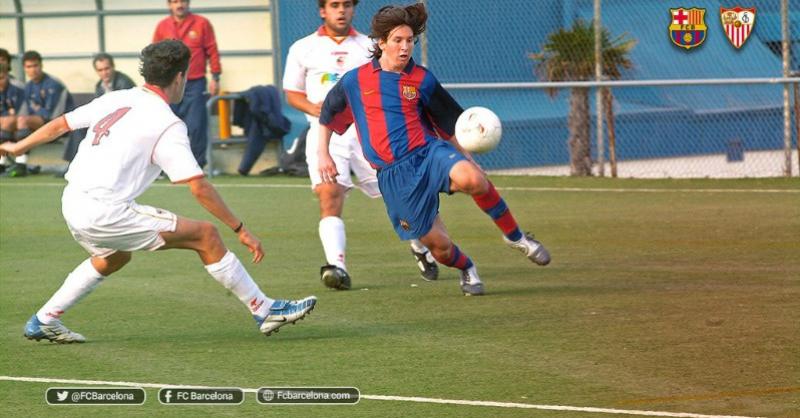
{"x": 133, "y": 135}
{"x": 313, "y": 66}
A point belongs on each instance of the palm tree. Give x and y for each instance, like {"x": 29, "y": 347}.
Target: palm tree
{"x": 568, "y": 55}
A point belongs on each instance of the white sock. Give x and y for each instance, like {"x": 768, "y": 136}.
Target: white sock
{"x": 4, "y": 160}
{"x": 418, "y": 246}
{"x": 334, "y": 241}
{"x": 22, "y": 159}
{"x": 230, "y": 272}
{"x": 78, "y": 284}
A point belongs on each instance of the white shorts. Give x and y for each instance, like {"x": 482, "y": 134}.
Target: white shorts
{"x": 347, "y": 155}
{"x": 103, "y": 229}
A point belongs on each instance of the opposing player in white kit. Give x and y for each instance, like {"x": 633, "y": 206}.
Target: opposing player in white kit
{"x": 133, "y": 135}
{"x": 313, "y": 66}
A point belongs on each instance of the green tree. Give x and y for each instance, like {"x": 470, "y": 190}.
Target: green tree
{"x": 568, "y": 55}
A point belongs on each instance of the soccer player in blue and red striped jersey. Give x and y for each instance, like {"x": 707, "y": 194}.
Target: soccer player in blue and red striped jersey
{"x": 405, "y": 121}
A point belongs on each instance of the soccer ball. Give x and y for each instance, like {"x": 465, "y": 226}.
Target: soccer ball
{"x": 478, "y": 130}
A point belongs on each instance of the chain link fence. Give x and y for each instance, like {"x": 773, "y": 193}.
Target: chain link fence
{"x": 676, "y": 129}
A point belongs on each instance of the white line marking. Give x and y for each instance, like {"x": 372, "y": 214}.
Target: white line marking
{"x": 509, "y": 188}
{"x": 647, "y": 190}
{"x": 393, "y": 398}
{"x": 231, "y": 186}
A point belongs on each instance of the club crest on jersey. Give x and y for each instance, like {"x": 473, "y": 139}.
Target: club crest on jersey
{"x": 192, "y": 34}
{"x": 738, "y": 24}
{"x": 404, "y": 224}
{"x": 410, "y": 92}
{"x": 687, "y": 27}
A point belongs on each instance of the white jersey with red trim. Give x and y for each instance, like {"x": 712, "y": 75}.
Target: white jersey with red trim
{"x": 315, "y": 63}
{"x": 133, "y": 135}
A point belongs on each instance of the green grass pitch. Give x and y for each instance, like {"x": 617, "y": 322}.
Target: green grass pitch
{"x": 667, "y": 299}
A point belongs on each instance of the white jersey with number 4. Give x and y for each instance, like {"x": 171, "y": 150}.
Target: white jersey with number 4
{"x": 315, "y": 63}
{"x": 133, "y": 135}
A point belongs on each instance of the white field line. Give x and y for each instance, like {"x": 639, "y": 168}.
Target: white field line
{"x": 510, "y": 188}
{"x": 391, "y": 398}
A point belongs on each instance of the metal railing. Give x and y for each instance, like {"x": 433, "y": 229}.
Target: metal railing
{"x": 20, "y": 16}
{"x": 212, "y": 139}
{"x": 785, "y": 81}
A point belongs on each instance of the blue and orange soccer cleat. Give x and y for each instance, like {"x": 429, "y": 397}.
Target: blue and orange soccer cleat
{"x": 55, "y": 332}
{"x": 284, "y": 312}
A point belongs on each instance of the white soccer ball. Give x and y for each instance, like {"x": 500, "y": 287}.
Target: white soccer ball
{"x": 478, "y": 130}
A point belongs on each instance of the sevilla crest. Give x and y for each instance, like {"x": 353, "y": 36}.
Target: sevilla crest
{"x": 738, "y": 24}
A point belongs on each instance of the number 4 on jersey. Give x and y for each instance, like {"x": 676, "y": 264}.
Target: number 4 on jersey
{"x": 101, "y": 128}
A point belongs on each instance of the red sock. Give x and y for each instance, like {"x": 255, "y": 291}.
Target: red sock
{"x": 494, "y": 206}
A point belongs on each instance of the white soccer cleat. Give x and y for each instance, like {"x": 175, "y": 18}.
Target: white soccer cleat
{"x": 284, "y": 312}
{"x": 471, "y": 284}
{"x": 55, "y": 332}
{"x": 532, "y": 249}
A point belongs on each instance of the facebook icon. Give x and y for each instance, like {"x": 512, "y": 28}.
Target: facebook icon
{"x": 168, "y": 396}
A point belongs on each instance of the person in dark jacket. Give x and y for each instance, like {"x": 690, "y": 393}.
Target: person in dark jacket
{"x": 11, "y": 98}
{"x": 5, "y": 59}
{"x": 110, "y": 78}
{"x": 46, "y": 98}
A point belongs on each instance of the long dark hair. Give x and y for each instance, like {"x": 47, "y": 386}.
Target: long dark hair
{"x": 389, "y": 17}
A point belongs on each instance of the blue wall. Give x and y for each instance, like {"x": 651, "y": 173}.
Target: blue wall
{"x": 470, "y": 42}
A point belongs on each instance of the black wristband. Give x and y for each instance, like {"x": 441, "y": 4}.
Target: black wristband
{"x": 238, "y": 228}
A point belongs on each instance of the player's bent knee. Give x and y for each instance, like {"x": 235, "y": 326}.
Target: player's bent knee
{"x": 331, "y": 199}
{"x": 466, "y": 177}
{"x": 328, "y": 191}
{"x": 209, "y": 233}
{"x": 479, "y": 184}
{"x": 112, "y": 263}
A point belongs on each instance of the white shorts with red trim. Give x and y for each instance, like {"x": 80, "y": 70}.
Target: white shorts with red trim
{"x": 103, "y": 229}
{"x": 347, "y": 154}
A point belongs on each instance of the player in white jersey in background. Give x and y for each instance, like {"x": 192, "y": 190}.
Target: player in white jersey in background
{"x": 133, "y": 135}
{"x": 313, "y": 66}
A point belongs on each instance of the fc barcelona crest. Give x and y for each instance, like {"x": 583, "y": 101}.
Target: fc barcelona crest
{"x": 410, "y": 92}
{"x": 687, "y": 27}
{"x": 738, "y": 24}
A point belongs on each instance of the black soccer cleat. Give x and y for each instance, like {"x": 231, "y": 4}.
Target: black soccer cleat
{"x": 334, "y": 277}
{"x": 428, "y": 268}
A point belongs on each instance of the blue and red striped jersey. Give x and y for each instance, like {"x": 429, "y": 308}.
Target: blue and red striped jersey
{"x": 394, "y": 113}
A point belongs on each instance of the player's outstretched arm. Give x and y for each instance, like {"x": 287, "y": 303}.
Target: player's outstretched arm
{"x": 50, "y": 131}
{"x": 207, "y": 196}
